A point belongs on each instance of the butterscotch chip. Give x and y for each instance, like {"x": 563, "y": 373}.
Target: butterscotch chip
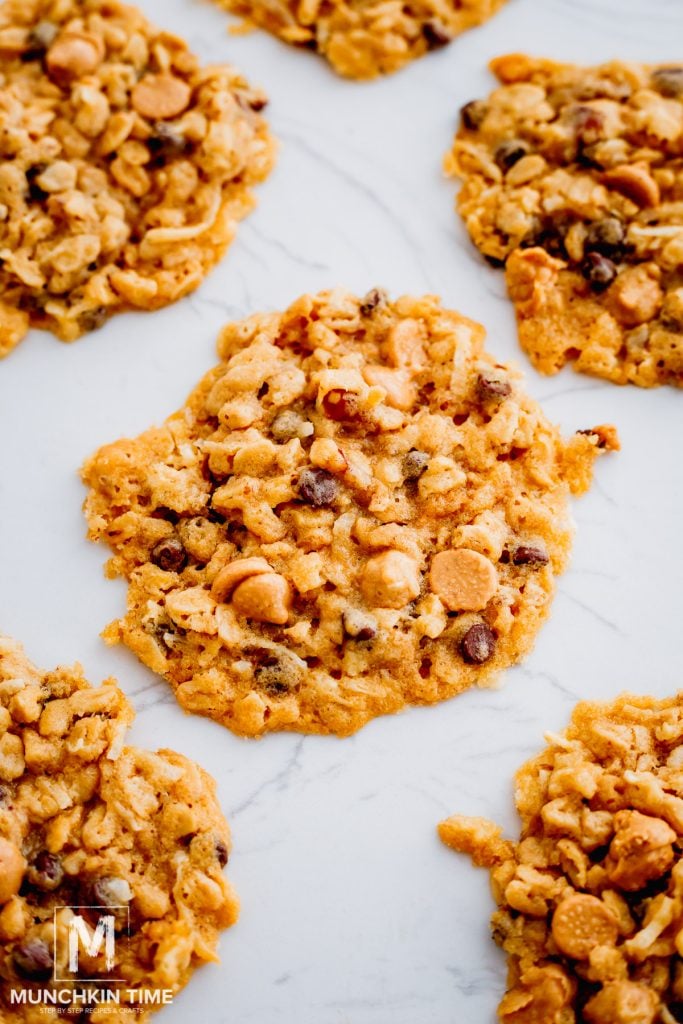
{"x": 365, "y": 38}
{"x": 93, "y": 823}
{"x": 161, "y": 97}
{"x": 572, "y": 179}
{"x": 463, "y": 579}
{"x": 73, "y": 55}
{"x": 580, "y": 923}
{"x": 593, "y": 889}
{"x": 125, "y": 165}
{"x": 289, "y": 535}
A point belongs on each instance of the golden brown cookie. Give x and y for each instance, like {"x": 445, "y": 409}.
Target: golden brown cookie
{"x": 590, "y": 899}
{"x": 365, "y": 38}
{"x": 357, "y": 509}
{"x": 124, "y": 165}
{"x": 573, "y": 180}
{"x": 87, "y": 822}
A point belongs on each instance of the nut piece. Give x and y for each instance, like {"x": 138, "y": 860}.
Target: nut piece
{"x": 640, "y": 851}
{"x": 265, "y": 598}
{"x": 580, "y": 923}
{"x": 463, "y": 579}
{"x": 160, "y": 97}
{"x": 12, "y": 868}
{"x": 622, "y": 1002}
{"x": 73, "y": 55}
{"x": 390, "y": 580}
{"x": 234, "y": 572}
{"x": 634, "y": 182}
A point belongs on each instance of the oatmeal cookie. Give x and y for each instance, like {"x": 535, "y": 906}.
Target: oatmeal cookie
{"x": 87, "y": 822}
{"x": 365, "y": 38}
{"x": 357, "y": 509}
{"x": 125, "y": 165}
{"x": 590, "y": 899}
{"x": 573, "y": 180}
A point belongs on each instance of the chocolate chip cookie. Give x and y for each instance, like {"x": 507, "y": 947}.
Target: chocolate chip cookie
{"x": 573, "y": 181}
{"x": 590, "y": 899}
{"x": 365, "y": 38}
{"x": 125, "y": 165}
{"x": 357, "y": 509}
{"x": 90, "y": 827}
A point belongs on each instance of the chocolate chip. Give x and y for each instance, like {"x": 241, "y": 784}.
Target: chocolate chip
{"x": 93, "y": 319}
{"x": 166, "y": 142}
{"x": 318, "y": 487}
{"x": 111, "y": 892}
{"x": 340, "y": 405}
{"x": 221, "y": 852}
{"x": 46, "y": 871}
{"x": 375, "y": 298}
{"x": 605, "y": 237}
{"x": 169, "y": 555}
{"x": 288, "y": 424}
{"x": 472, "y": 114}
{"x": 598, "y": 270}
{"x": 509, "y": 152}
{"x": 359, "y": 625}
{"x": 492, "y": 387}
{"x": 273, "y": 676}
{"x": 527, "y": 555}
{"x": 669, "y": 81}
{"x": 478, "y": 644}
{"x": 39, "y": 39}
{"x": 33, "y": 959}
{"x": 436, "y": 35}
{"x": 588, "y": 124}
{"x": 548, "y": 233}
{"x": 414, "y": 464}
{"x": 35, "y": 193}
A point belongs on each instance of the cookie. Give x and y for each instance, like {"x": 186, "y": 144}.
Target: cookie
{"x": 362, "y": 39}
{"x": 573, "y": 179}
{"x": 590, "y": 899}
{"x": 91, "y": 827}
{"x": 357, "y": 509}
{"x": 125, "y": 165}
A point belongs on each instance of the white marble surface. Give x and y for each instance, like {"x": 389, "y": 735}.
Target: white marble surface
{"x": 352, "y": 911}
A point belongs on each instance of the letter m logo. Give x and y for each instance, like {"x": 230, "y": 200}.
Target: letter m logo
{"x": 103, "y": 935}
{"x": 88, "y": 933}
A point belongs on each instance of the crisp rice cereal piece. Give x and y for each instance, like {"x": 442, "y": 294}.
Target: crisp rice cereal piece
{"x": 288, "y": 535}
{"x": 365, "y": 38}
{"x": 125, "y": 168}
{"x": 590, "y": 899}
{"x": 86, "y": 821}
{"x": 573, "y": 180}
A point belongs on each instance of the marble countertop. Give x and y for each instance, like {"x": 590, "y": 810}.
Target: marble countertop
{"x": 353, "y": 913}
